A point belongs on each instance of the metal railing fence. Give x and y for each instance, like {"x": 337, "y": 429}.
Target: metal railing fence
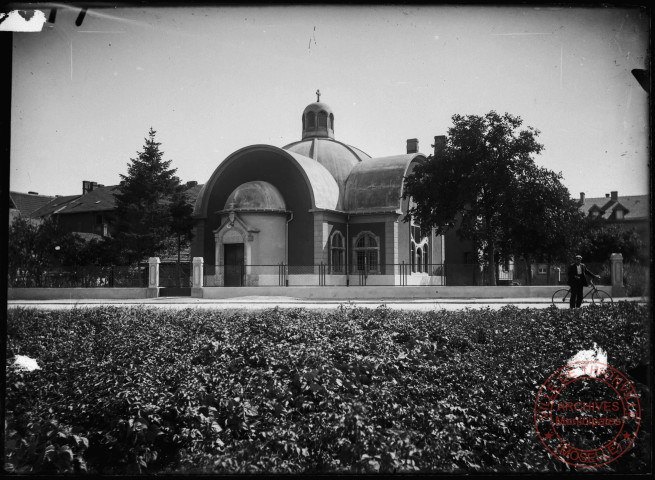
{"x": 86, "y": 276}
{"x": 173, "y": 274}
{"x": 321, "y": 274}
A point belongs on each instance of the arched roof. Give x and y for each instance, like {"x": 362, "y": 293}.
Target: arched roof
{"x": 338, "y": 158}
{"x": 317, "y": 107}
{"x": 199, "y": 200}
{"x": 323, "y": 189}
{"x": 255, "y": 195}
{"x": 376, "y": 184}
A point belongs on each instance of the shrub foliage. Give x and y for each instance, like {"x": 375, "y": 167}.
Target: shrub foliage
{"x": 124, "y": 391}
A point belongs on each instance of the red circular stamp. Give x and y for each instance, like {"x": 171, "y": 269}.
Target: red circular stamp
{"x": 587, "y": 414}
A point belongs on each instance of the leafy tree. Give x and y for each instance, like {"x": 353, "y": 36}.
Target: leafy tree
{"x": 149, "y": 208}
{"x": 99, "y": 252}
{"x": 598, "y": 240}
{"x": 470, "y": 187}
{"x": 36, "y": 248}
{"x": 544, "y": 219}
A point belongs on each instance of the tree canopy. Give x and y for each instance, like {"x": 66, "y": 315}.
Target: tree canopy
{"x": 37, "y": 247}
{"x": 545, "y": 222}
{"x": 598, "y": 240}
{"x": 486, "y": 186}
{"x": 150, "y": 207}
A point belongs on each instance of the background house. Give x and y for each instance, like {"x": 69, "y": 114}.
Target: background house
{"x": 631, "y": 211}
{"x": 25, "y": 204}
{"x": 628, "y": 212}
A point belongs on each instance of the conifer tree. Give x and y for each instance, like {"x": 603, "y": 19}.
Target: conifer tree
{"x": 148, "y": 204}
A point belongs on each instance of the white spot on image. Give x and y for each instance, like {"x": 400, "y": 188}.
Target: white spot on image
{"x": 24, "y": 362}
{"x": 596, "y": 354}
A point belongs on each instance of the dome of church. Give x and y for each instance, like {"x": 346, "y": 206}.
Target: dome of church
{"x": 338, "y": 158}
{"x": 318, "y": 143}
{"x": 255, "y": 195}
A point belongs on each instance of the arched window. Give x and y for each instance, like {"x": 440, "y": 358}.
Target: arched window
{"x": 303, "y": 122}
{"x": 413, "y": 255}
{"x": 337, "y": 252}
{"x": 311, "y": 120}
{"x": 420, "y": 248}
{"x": 367, "y": 253}
{"x": 332, "y": 122}
{"x": 322, "y": 119}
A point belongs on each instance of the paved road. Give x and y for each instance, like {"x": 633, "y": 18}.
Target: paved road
{"x": 262, "y": 303}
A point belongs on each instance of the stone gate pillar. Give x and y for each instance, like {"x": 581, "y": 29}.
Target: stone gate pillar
{"x": 198, "y": 276}
{"x": 153, "y": 277}
{"x": 616, "y": 265}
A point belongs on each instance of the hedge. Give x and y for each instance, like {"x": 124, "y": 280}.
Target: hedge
{"x": 140, "y": 390}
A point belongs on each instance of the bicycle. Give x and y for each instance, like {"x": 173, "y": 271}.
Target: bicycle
{"x": 597, "y": 296}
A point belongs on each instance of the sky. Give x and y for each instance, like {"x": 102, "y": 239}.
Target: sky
{"x": 212, "y": 80}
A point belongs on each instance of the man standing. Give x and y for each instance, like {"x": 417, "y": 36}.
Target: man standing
{"x": 577, "y": 278}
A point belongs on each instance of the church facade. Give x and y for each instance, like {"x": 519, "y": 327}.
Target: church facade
{"x": 314, "y": 209}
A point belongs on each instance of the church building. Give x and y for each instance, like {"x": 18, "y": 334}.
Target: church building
{"x": 314, "y": 209}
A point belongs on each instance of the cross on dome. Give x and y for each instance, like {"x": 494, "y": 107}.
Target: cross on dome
{"x": 318, "y": 95}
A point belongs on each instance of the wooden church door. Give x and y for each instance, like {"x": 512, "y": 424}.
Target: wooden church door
{"x": 234, "y": 268}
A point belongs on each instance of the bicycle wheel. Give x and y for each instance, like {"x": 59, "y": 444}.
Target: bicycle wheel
{"x": 601, "y": 297}
{"x": 561, "y": 296}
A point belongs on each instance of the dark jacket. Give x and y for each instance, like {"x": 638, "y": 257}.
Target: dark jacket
{"x": 573, "y": 277}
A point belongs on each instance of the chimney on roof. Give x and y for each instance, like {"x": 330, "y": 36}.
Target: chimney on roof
{"x": 439, "y": 145}
{"x": 412, "y": 145}
{"x": 615, "y": 195}
{"x": 607, "y": 195}
{"x": 33, "y": 193}
{"x": 581, "y": 197}
{"x": 88, "y": 186}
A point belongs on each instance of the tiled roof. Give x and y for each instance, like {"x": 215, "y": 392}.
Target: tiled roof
{"x": 54, "y": 205}
{"x": 27, "y": 203}
{"x": 636, "y": 206}
{"x": 99, "y": 199}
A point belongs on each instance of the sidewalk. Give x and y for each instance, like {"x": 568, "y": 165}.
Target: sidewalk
{"x": 268, "y": 300}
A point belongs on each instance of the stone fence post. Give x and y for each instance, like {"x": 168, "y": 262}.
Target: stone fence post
{"x": 153, "y": 277}
{"x": 616, "y": 266}
{"x": 198, "y": 276}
